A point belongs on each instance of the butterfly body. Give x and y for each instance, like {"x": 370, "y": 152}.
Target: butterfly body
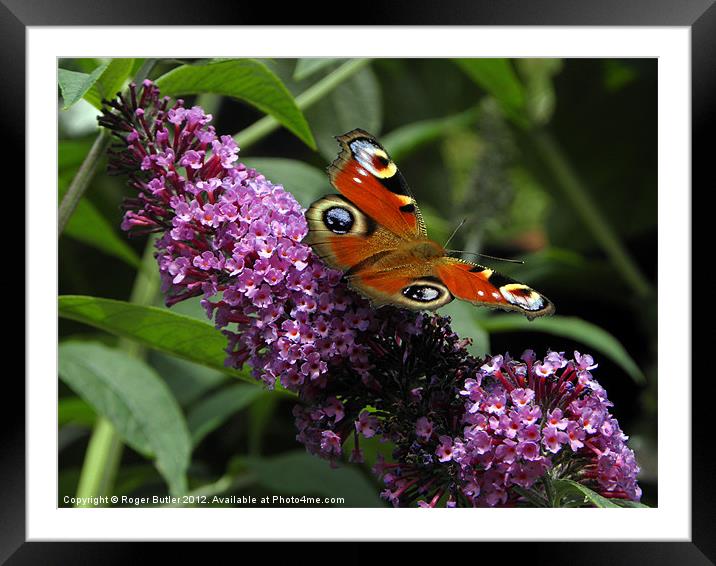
{"x": 374, "y": 232}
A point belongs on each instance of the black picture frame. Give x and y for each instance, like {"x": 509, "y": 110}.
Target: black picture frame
{"x": 698, "y": 15}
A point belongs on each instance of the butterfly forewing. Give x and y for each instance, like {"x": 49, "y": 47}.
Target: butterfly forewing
{"x": 364, "y": 173}
{"x": 344, "y": 237}
{"x": 483, "y": 286}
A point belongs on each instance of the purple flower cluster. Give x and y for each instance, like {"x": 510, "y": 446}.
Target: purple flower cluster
{"x": 524, "y": 418}
{"x": 233, "y": 237}
{"x": 467, "y": 432}
{"x": 361, "y": 405}
{"x": 463, "y": 431}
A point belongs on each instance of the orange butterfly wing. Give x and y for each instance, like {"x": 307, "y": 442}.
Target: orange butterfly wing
{"x": 345, "y": 238}
{"x": 483, "y": 286}
{"x": 412, "y": 285}
{"x": 364, "y": 173}
{"x": 375, "y": 213}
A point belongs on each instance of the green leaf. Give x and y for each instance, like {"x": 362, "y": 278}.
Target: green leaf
{"x": 497, "y": 77}
{"x": 134, "y": 477}
{"x": 135, "y": 400}
{"x": 355, "y": 103}
{"x": 136, "y": 65}
{"x": 411, "y": 137}
{"x": 568, "y": 488}
{"x": 88, "y": 226}
{"x": 71, "y": 153}
{"x": 74, "y": 85}
{"x": 303, "y": 181}
{"x": 531, "y": 495}
{"x": 110, "y": 81}
{"x": 260, "y": 416}
{"x": 188, "y": 381}
{"x": 570, "y": 327}
{"x": 192, "y": 308}
{"x": 156, "y": 328}
{"x": 212, "y": 412}
{"x": 306, "y": 68}
{"x": 539, "y": 88}
{"x": 302, "y": 474}
{"x": 73, "y": 410}
{"x": 246, "y": 79}
{"x": 84, "y": 64}
{"x": 465, "y": 321}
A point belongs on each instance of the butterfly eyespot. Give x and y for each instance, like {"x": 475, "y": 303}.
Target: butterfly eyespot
{"x": 522, "y": 296}
{"x": 422, "y": 293}
{"x": 373, "y": 158}
{"x": 381, "y": 162}
{"x": 338, "y": 220}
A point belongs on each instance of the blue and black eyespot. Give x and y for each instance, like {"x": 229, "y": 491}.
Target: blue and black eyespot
{"x": 425, "y": 293}
{"x": 338, "y": 220}
{"x": 422, "y": 293}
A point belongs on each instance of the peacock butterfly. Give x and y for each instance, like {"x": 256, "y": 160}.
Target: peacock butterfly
{"x": 374, "y": 232}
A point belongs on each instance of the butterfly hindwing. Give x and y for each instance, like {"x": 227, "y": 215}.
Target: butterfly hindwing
{"x": 414, "y": 286}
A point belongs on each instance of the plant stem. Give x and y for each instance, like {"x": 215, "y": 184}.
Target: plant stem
{"x": 306, "y": 99}
{"x": 584, "y": 205}
{"x": 81, "y": 180}
{"x": 549, "y": 491}
{"x": 104, "y": 451}
{"x": 84, "y": 175}
{"x": 260, "y": 413}
{"x": 100, "y": 464}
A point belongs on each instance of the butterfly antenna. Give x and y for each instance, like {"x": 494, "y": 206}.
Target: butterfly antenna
{"x": 462, "y": 222}
{"x": 487, "y": 256}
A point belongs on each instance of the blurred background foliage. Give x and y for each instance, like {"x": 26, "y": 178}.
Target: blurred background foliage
{"x": 549, "y": 161}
